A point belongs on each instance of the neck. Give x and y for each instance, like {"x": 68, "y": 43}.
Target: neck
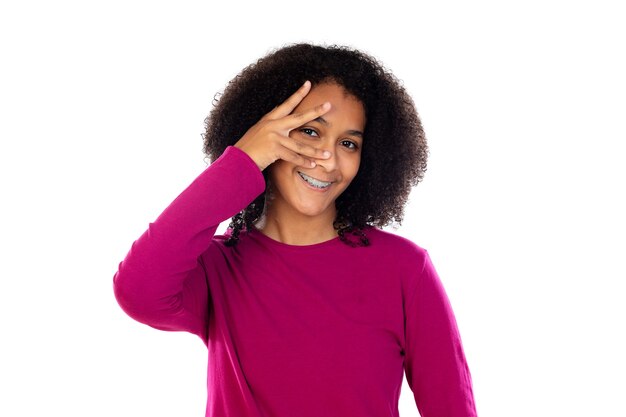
{"x": 295, "y": 228}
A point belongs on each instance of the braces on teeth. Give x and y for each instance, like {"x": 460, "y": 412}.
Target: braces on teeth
{"x": 313, "y": 181}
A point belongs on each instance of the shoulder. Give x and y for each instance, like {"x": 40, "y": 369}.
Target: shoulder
{"x": 405, "y": 259}
{"x": 393, "y": 242}
{"x": 404, "y": 252}
{"x": 217, "y": 247}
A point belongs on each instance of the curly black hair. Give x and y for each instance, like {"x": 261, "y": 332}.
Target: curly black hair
{"x": 394, "y": 151}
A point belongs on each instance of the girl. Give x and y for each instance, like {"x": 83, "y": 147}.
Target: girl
{"x": 306, "y": 306}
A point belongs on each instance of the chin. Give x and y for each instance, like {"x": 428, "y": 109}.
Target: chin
{"x": 311, "y": 207}
{"x": 312, "y": 211}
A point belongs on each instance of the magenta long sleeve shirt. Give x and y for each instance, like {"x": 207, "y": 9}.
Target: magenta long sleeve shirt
{"x": 323, "y": 330}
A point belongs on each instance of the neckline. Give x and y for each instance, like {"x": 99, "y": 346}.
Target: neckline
{"x": 256, "y": 232}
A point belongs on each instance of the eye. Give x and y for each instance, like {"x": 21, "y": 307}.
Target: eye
{"x": 349, "y": 144}
{"x": 308, "y": 129}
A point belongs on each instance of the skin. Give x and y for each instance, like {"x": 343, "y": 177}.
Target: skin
{"x": 291, "y": 139}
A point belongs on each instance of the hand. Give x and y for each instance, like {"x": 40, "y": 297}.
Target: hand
{"x": 268, "y": 140}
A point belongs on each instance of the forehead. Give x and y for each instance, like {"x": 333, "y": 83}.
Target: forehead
{"x": 328, "y": 91}
{"x": 343, "y": 103}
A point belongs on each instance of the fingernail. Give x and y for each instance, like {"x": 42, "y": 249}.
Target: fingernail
{"x": 306, "y": 83}
{"x": 313, "y": 164}
{"x": 326, "y": 154}
{"x": 326, "y": 106}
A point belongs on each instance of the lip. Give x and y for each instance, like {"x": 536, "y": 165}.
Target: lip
{"x": 319, "y": 190}
{"x": 302, "y": 172}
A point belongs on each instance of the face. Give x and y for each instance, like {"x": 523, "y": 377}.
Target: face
{"x": 313, "y": 191}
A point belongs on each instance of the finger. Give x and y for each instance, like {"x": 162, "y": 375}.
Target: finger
{"x": 296, "y": 158}
{"x": 298, "y": 119}
{"x": 306, "y": 151}
{"x": 287, "y": 106}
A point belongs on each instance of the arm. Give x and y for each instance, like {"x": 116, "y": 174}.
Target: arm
{"x": 162, "y": 282}
{"x": 435, "y": 365}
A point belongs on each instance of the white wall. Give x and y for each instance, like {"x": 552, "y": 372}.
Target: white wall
{"x": 522, "y": 208}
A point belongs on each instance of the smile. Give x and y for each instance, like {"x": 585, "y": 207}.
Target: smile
{"x": 314, "y": 182}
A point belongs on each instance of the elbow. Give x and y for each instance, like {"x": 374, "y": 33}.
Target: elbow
{"x": 140, "y": 300}
{"x": 134, "y": 300}
{"x": 128, "y": 296}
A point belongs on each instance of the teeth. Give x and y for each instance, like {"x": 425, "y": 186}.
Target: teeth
{"x": 313, "y": 181}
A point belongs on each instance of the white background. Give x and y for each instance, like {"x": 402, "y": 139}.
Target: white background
{"x": 522, "y": 208}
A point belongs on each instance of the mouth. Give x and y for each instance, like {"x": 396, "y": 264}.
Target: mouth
{"x": 314, "y": 182}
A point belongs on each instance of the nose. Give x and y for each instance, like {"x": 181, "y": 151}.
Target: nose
{"x": 329, "y": 164}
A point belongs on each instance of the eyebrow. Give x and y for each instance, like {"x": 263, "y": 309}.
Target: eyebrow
{"x": 323, "y": 121}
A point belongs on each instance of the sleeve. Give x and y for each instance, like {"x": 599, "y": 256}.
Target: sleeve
{"x": 162, "y": 281}
{"x": 435, "y": 364}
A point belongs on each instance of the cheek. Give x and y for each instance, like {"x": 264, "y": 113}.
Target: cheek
{"x": 281, "y": 169}
{"x": 274, "y": 171}
{"x": 353, "y": 167}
